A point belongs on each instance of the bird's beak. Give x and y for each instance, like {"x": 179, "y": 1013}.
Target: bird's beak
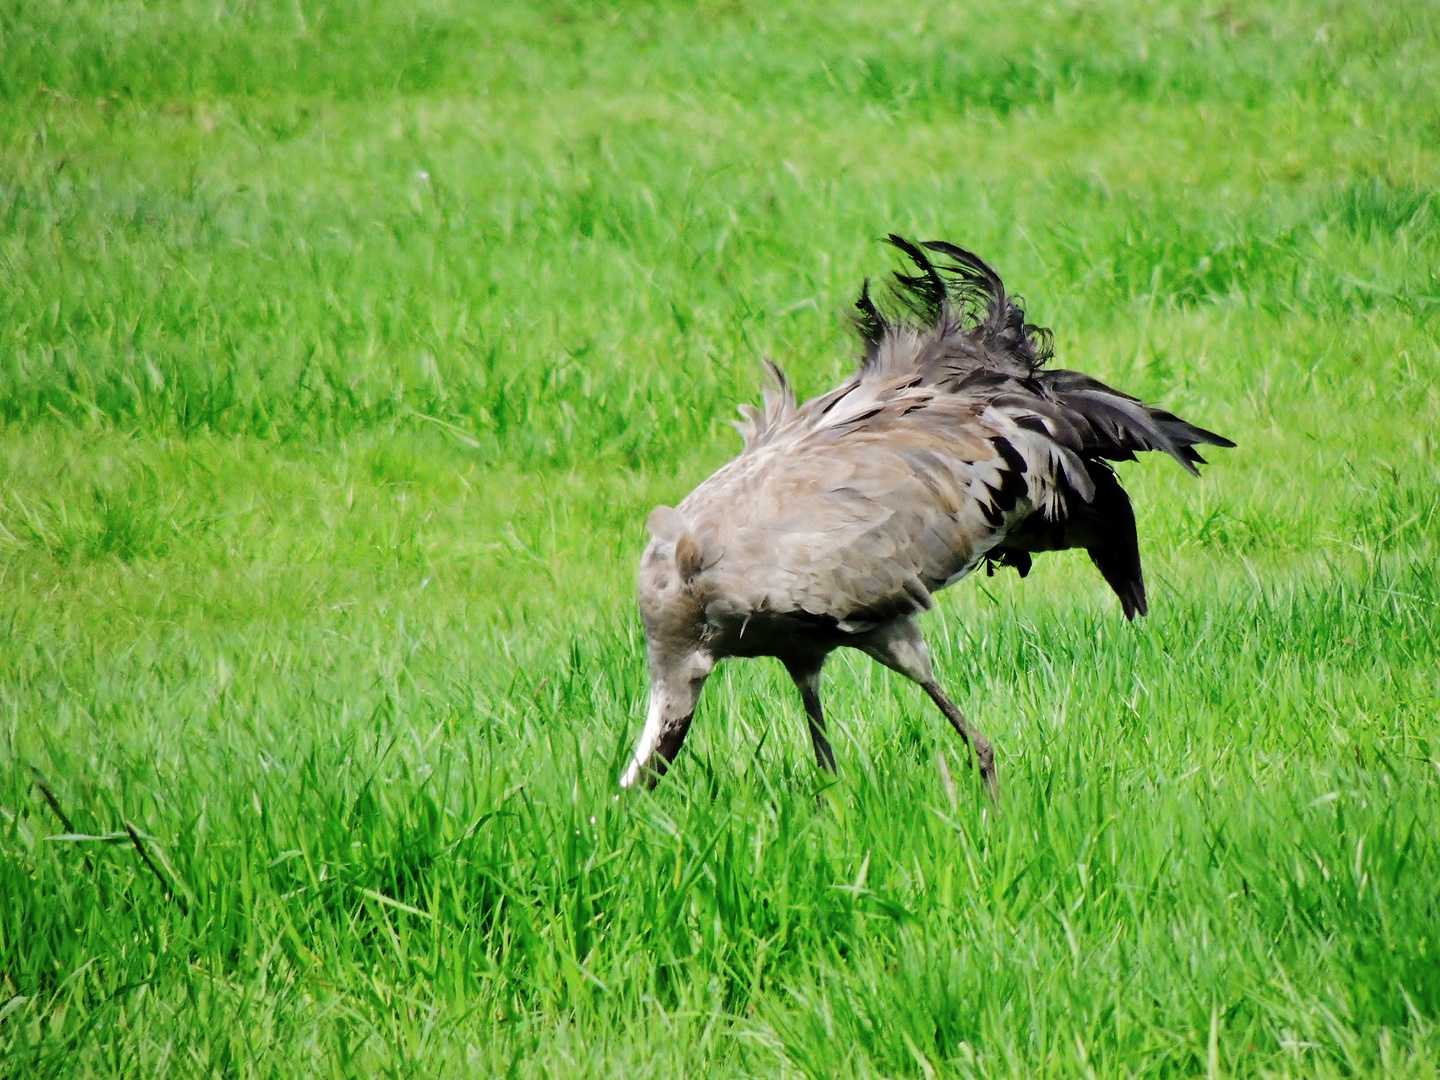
{"x": 666, "y": 724}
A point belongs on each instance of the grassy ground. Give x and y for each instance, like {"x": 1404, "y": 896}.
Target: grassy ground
{"x": 343, "y": 351}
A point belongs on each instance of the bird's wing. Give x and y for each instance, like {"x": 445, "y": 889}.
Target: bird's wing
{"x": 872, "y": 498}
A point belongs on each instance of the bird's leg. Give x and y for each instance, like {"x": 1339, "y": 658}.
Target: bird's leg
{"x": 807, "y": 680}
{"x": 901, "y": 647}
{"x": 984, "y": 752}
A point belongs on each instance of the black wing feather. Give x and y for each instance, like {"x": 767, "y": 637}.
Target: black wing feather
{"x": 959, "y": 330}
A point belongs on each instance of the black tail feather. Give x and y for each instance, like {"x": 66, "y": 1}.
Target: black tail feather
{"x": 1114, "y": 425}
{"x": 973, "y": 282}
{"x": 961, "y": 331}
{"x": 925, "y": 293}
{"x": 1108, "y": 535}
{"x": 868, "y": 319}
{"x": 1104, "y": 527}
{"x": 962, "y": 301}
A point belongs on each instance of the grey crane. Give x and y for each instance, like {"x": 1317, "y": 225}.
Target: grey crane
{"x": 953, "y": 446}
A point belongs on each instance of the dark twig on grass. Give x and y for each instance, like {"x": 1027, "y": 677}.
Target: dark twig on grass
{"x": 170, "y": 894}
{"x": 57, "y": 808}
{"x": 51, "y": 799}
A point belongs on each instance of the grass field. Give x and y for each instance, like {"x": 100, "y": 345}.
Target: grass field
{"x": 343, "y": 351}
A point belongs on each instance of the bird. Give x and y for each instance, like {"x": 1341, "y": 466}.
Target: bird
{"x": 952, "y": 447}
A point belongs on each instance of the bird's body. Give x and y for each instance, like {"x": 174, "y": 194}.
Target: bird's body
{"x": 952, "y": 447}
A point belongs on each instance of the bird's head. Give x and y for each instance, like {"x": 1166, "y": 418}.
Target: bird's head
{"x": 673, "y": 615}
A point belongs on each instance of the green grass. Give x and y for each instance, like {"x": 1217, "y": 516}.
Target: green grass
{"x": 343, "y": 351}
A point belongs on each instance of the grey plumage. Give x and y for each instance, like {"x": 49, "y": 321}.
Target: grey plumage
{"x": 952, "y": 447}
